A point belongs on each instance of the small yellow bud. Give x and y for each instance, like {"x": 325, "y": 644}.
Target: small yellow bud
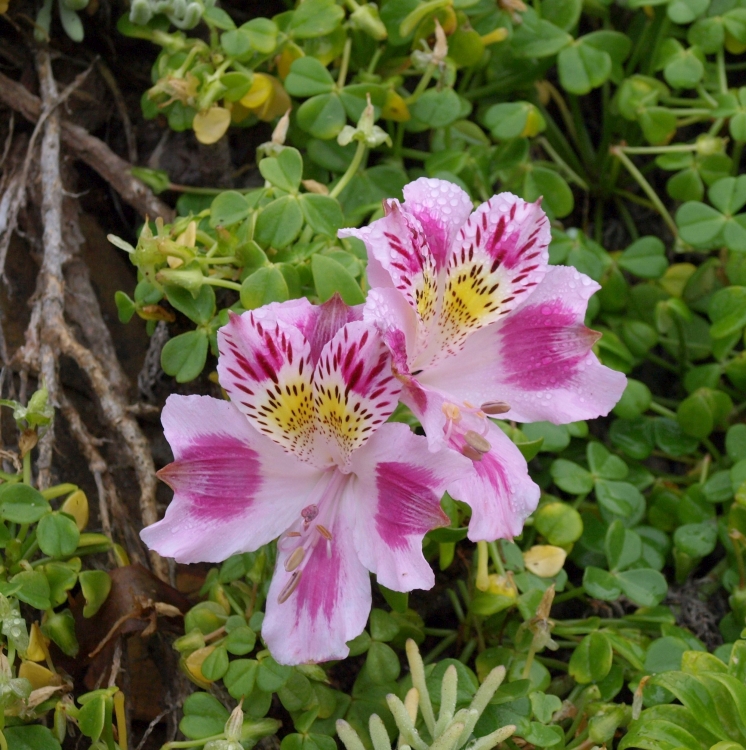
{"x": 36, "y": 650}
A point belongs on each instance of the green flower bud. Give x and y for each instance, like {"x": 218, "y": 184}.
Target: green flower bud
{"x": 365, "y": 18}
{"x": 60, "y": 627}
{"x": 190, "y": 277}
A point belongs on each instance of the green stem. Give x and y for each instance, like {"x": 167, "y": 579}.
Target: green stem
{"x": 345, "y": 63}
{"x": 567, "y": 595}
{"x": 413, "y": 153}
{"x": 646, "y": 187}
{"x": 629, "y": 222}
{"x": 737, "y": 153}
{"x": 655, "y": 359}
{"x": 422, "y": 85}
{"x": 495, "y": 557}
{"x": 3, "y": 741}
{"x": 722, "y": 75}
{"x": 374, "y": 60}
{"x": 193, "y": 743}
{"x": 27, "y": 468}
{"x": 705, "y": 94}
{"x": 58, "y": 490}
{"x": 562, "y": 164}
{"x": 439, "y": 632}
{"x": 204, "y": 190}
{"x": 212, "y": 281}
{"x": 440, "y": 648}
{"x": 662, "y": 410}
{"x": 714, "y": 452}
{"x": 457, "y": 608}
{"x": 351, "y": 170}
{"x": 218, "y": 261}
{"x": 468, "y": 651}
{"x": 676, "y": 148}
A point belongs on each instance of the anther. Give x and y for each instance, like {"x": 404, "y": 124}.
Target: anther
{"x": 469, "y": 452}
{"x": 292, "y": 533}
{"x": 476, "y": 441}
{"x": 493, "y": 408}
{"x": 295, "y": 559}
{"x": 324, "y": 532}
{"x": 289, "y": 587}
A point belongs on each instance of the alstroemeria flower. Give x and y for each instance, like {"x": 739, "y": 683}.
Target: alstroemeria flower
{"x": 301, "y": 453}
{"x": 479, "y": 325}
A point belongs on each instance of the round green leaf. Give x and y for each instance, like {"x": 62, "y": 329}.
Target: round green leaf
{"x": 330, "y": 278}
{"x": 184, "y": 356}
{"x": 643, "y": 586}
{"x": 582, "y": 67}
{"x": 265, "y": 285}
{"x": 591, "y": 661}
{"x": 228, "y": 208}
{"x": 57, "y": 534}
{"x": 20, "y": 503}
{"x": 95, "y": 585}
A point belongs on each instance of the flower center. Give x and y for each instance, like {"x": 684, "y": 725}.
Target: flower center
{"x": 311, "y": 529}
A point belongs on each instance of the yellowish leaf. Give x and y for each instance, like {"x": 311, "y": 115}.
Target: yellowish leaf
{"x": 76, "y": 505}
{"x": 210, "y": 126}
{"x": 544, "y": 560}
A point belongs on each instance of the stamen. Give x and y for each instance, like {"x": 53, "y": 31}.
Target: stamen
{"x": 493, "y": 408}
{"x": 469, "y": 452}
{"x": 476, "y": 441}
{"x": 292, "y": 533}
{"x": 290, "y": 586}
{"x": 295, "y": 559}
{"x": 451, "y": 411}
{"x": 324, "y": 532}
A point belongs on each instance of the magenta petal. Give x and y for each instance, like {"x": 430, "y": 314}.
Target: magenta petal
{"x": 499, "y": 490}
{"x": 441, "y": 208}
{"x": 538, "y": 359}
{"x": 328, "y": 607}
{"x": 396, "y": 493}
{"x": 226, "y": 479}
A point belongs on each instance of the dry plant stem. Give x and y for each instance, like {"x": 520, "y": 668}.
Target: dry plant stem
{"x": 54, "y": 337}
{"x": 52, "y": 293}
{"x": 121, "y": 105}
{"x": 108, "y": 498}
{"x": 92, "y": 151}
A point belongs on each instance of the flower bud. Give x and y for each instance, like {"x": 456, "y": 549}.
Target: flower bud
{"x": 190, "y": 278}
{"x": 190, "y": 642}
{"x": 707, "y": 145}
{"x": 234, "y": 724}
{"x": 365, "y": 18}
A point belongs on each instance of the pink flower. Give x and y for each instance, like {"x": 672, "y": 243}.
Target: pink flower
{"x": 301, "y": 453}
{"x": 479, "y": 325}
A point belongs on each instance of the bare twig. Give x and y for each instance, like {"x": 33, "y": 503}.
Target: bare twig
{"x": 121, "y": 105}
{"x": 92, "y": 151}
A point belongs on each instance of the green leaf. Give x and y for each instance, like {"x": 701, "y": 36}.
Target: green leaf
{"x": 92, "y": 717}
{"x": 571, "y": 477}
{"x": 603, "y": 464}
{"x": 271, "y": 676}
{"x": 591, "y": 661}
{"x": 645, "y": 258}
{"x": 623, "y": 546}
{"x": 513, "y": 120}
{"x": 735, "y": 441}
{"x": 240, "y": 641}
{"x": 620, "y": 500}
{"x": 279, "y": 223}
{"x": 382, "y": 663}
{"x": 559, "y": 523}
{"x": 308, "y": 77}
{"x": 727, "y": 311}
{"x": 218, "y": 17}
{"x": 57, "y": 534}
{"x": 240, "y": 678}
{"x": 540, "y": 182}
{"x": 30, "y": 737}
{"x": 696, "y": 539}
{"x": 204, "y": 716}
{"x": 699, "y": 224}
{"x": 199, "y": 309}
{"x": 314, "y": 18}
{"x": 537, "y": 37}
{"x": 322, "y": 213}
{"x": 20, "y": 503}
{"x": 262, "y": 34}
{"x": 437, "y": 108}
{"x": 184, "y": 356}
{"x": 330, "y": 277}
{"x": 582, "y": 67}
{"x": 600, "y": 584}
{"x": 644, "y": 586}
{"x": 729, "y": 194}
{"x": 215, "y": 665}
{"x": 263, "y": 286}
{"x": 95, "y": 585}
{"x": 671, "y": 438}
{"x": 284, "y": 170}
{"x": 228, "y": 208}
{"x": 635, "y": 400}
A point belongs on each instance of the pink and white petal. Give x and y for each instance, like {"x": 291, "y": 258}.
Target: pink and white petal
{"x": 442, "y": 208}
{"x": 538, "y": 359}
{"x": 396, "y": 491}
{"x": 499, "y": 257}
{"x": 398, "y": 243}
{"x": 265, "y": 367}
{"x": 227, "y": 479}
{"x": 328, "y": 607}
{"x": 387, "y": 309}
{"x": 498, "y": 489}
{"x": 354, "y": 388}
{"x": 331, "y": 316}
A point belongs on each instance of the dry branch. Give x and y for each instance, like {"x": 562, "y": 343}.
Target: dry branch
{"x": 49, "y": 335}
{"x": 91, "y": 150}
